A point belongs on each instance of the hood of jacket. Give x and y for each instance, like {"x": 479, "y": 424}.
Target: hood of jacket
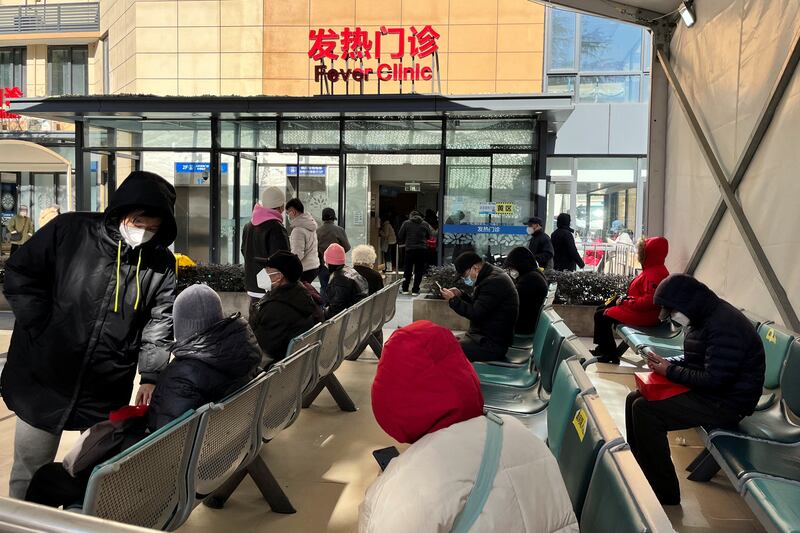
{"x": 262, "y": 214}
{"x": 563, "y": 221}
{"x": 416, "y": 219}
{"x": 424, "y": 383}
{"x": 685, "y": 294}
{"x": 304, "y": 221}
{"x": 655, "y": 252}
{"x": 221, "y": 346}
{"x": 144, "y": 190}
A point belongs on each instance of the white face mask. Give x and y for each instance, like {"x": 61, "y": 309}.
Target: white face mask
{"x": 679, "y": 318}
{"x": 531, "y": 231}
{"x": 263, "y": 280}
{"x": 135, "y": 236}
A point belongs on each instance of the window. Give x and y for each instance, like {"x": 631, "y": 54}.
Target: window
{"x": 562, "y": 41}
{"x": 12, "y": 67}
{"x": 608, "y": 46}
{"x": 67, "y": 70}
{"x": 594, "y": 89}
{"x": 561, "y": 84}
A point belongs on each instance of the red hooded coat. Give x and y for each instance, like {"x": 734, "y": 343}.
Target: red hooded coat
{"x": 639, "y": 310}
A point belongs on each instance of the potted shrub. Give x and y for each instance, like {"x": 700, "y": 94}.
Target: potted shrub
{"x": 227, "y": 280}
{"x": 580, "y": 292}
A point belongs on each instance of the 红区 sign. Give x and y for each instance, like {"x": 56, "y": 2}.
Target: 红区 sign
{"x": 6, "y": 94}
{"x": 357, "y": 44}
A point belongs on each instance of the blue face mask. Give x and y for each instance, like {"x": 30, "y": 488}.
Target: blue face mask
{"x": 468, "y": 281}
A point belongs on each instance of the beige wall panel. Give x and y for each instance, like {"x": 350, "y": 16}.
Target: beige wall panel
{"x": 156, "y": 14}
{"x": 473, "y": 12}
{"x": 157, "y": 66}
{"x": 156, "y": 40}
{"x": 242, "y": 12}
{"x": 423, "y": 12}
{"x": 198, "y": 87}
{"x": 519, "y": 12}
{"x": 294, "y": 13}
{"x": 472, "y": 38}
{"x": 155, "y": 86}
{"x": 519, "y": 87}
{"x": 198, "y": 13}
{"x": 241, "y": 65}
{"x": 251, "y": 87}
{"x": 520, "y": 38}
{"x": 198, "y": 39}
{"x": 198, "y": 66}
{"x": 379, "y": 12}
{"x": 286, "y": 66}
{"x": 285, "y": 39}
{"x": 332, "y": 13}
{"x": 478, "y": 66}
{"x": 242, "y": 39}
{"x": 519, "y": 66}
{"x": 470, "y": 87}
{"x": 286, "y": 87}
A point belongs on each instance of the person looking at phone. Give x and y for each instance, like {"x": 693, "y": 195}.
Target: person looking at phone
{"x": 427, "y": 394}
{"x": 491, "y": 309}
{"x": 723, "y": 367}
{"x": 635, "y": 309}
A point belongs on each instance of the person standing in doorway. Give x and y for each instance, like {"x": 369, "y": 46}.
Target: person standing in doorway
{"x": 92, "y": 294}
{"x": 414, "y": 234}
{"x": 20, "y": 228}
{"x": 388, "y": 244}
{"x": 264, "y": 235}
{"x": 540, "y": 244}
{"x": 327, "y": 234}
{"x": 565, "y": 253}
{"x": 303, "y": 239}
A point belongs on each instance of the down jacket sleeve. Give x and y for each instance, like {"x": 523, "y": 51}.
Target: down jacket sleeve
{"x": 157, "y": 333}
{"x": 477, "y": 310}
{"x": 573, "y": 250}
{"x": 298, "y": 243}
{"x": 640, "y": 295}
{"x": 724, "y": 353}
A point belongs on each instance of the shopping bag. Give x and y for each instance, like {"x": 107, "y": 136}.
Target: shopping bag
{"x": 655, "y": 387}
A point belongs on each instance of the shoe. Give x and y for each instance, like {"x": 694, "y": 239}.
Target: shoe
{"x": 603, "y": 357}
{"x": 404, "y": 291}
{"x": 415, "y": 293}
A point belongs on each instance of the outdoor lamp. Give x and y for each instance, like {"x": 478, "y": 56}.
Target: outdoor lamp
{"x": 687, "y": 13}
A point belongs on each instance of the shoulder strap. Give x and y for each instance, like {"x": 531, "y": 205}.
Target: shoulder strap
{"x": 486, "y": 474}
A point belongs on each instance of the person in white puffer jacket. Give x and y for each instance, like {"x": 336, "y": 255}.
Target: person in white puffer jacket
{"x": 303, "y": 239}
{"x": 427, "y": 394}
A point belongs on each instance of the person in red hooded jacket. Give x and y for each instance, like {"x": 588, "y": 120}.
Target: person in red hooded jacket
{"x": 635, "y": 309}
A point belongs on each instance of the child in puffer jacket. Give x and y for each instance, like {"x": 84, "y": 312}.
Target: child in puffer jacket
{"x": 213, "y": 356}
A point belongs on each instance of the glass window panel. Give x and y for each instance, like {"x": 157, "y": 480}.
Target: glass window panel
{"x": 648, "y": 43}
{"x": 59, "y": 78}
{"x": 357, "y": 217}
{"x": 12, "y": 65}
{"x": 154, "y": 133}
{"x": 310, "y": 134}
{"x": 511, "y": 185}
{"x": 247, "y": 176}
{"x": 227, "y": 222}
{"x": 646, "y": 88}
{"x": 561, "y": 84}
{"x": 252, "y": 135}
{"x": 596, "y": 89}
{"x": 609, "y": 46}
{"x": 467, "y": 187}
{"x": 562, "y": 39}
{"x": 79, "y": 81}
{"x": 490, "y": 133}
{"x": 388, "y": 134}
{"x": 318, "y": 184}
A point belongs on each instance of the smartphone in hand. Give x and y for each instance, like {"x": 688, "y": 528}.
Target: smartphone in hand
{"x": 384, "y": 456}
{"x": 438, "y": 285}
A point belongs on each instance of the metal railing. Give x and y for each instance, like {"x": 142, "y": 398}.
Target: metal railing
{"x": 50, "y": 18}
{"x": 609, "y": 258}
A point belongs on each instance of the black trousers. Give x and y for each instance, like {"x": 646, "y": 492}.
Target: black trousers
{"x": 604, "y": 331}
{"x": 479, "y": 349}
{"x": 14, "y": 248}
{"x": 53, "y": 486}
{"x": 414, "y": 263}
{"x": 647, "y": 424}
{"x": 309, "y": 275}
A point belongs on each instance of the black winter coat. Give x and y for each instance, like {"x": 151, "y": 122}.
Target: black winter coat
{"x": 491, "y": 310}
{"x": 565, "y": 253}
{"x": 542, "y": 249}
{"x": 346, "y": 288}
{"x": 532, "y": 291}
{"x": 207, "y": 367}
{"x": 77, "y": 338}
{"x": 373, "y": 277}
{"x": 283, "y": 314}
{"x": 414, "y": 233}
{"x": 723, "y": 355}
{"x": 261, "y": 241}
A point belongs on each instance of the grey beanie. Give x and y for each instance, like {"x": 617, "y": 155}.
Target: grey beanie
{"x": 196, "y": 309}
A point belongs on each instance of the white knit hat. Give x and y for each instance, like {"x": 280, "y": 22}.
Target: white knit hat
{"x": 273, "y": 197}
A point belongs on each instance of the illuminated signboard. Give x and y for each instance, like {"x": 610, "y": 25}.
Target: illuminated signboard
{"x": 359, "y": 45}
{"x": 6, "y": 94}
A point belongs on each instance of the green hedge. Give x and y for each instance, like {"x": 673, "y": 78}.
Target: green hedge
{"x": 587, "y": 288}
{"x": 221, "y": 278}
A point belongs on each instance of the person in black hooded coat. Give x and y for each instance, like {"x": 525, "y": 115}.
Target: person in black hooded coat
{"x": 92, "y": 298}
{"x": 531, "y": 287}
{"x": 565, "y": 253}
{"x": 723, "y": 366}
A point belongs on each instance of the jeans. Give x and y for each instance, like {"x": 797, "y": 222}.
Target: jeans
{"x": 33, "y": 448}
{"x": 414, "y": 263}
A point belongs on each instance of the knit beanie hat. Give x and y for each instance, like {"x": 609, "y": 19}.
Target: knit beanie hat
{"x": 196, "y": 309}
{"x": 273, "y": 197}
{"x": 286, "y": 263}
{"x": 466, "y": 261}
{"x": 334, "y": 255}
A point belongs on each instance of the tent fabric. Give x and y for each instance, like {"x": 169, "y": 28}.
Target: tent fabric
{"x": 23, "y": 156}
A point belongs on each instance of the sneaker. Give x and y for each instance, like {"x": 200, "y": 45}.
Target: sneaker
{"x": 404, "y": 291}
{"x": 415, "y": 293}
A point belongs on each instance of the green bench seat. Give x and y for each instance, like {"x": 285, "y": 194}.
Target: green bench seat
{"x": 662, "y": 339}
{"x": 743, "y": 457}
{"x": 775, "y": 502}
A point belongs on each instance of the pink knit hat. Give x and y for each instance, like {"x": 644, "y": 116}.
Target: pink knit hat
{"x": 334, "y": 255}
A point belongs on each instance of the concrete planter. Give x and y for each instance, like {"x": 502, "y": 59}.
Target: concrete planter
{"x": 579, "y": 318}
{"x": 235, "y": 302}
{"x": 438, "y": 312}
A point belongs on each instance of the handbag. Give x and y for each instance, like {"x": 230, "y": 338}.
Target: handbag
{"x": 431, "y": 243}
{"x": 15, "y": 237}
{"x": 655, "y": 387}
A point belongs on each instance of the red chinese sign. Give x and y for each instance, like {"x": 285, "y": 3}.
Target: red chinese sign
{"x": 6, "y": 94}
{"x": 357, "y": 45}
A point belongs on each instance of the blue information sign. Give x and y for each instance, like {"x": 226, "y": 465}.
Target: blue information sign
{"x": 491, "y": 229}
{"x": 306, "y": 170}
{"x": 197, "y": 168}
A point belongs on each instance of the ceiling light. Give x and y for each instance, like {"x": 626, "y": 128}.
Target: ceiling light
{"x": 687, "y": 13}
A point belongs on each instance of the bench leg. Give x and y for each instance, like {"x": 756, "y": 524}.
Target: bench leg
{"x": 217, "y": 499}
{"x": 375, "y": 342}
{"x": 339, "y": 394}
{"x": 269, "y": 487}
{"x": 697, "y": 460}
{"x": 357, "y": 352}
{"x": 705, "y": 469}
{"x": 311, "y": 396}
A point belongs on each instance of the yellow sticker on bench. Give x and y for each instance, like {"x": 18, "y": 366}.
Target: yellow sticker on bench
{"x": 771, "y": 337}
{"x": 580, "y": 422}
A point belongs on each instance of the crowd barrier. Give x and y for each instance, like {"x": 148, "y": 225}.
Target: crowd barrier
{"x": 761, "y": 457}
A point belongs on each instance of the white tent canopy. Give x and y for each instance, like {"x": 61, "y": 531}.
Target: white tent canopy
{"x": 24, "y": 156}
